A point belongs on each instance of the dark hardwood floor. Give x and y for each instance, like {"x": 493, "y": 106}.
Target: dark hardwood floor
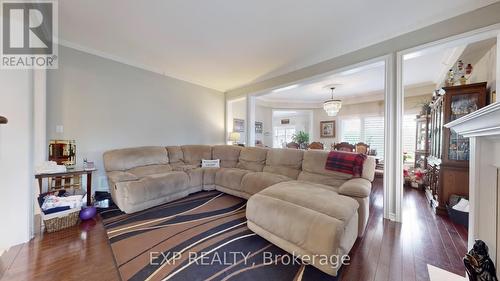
{"x": 388, "y": 250}
{"x": 395, "y": 251}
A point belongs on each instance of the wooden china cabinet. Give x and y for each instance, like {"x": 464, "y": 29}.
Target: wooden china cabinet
{"x": 422, "y": 141}
{"x": 448, "y": 161}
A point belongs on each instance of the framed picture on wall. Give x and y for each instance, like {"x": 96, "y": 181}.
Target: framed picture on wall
{"x": 259, "y": 127}
{"x": 327, "y": 129}
{"x": 238, "y": 125}
{"x": 285, "y": 121}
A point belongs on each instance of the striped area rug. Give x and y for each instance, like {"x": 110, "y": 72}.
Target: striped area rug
{"x": 200, "y": 237}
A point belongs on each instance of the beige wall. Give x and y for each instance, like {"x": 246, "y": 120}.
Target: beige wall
{"x": 485, "y": 69}
{"x": 237, "y": 110}
{"x": 104, "y": 105}
{"x": 265, "y": 115}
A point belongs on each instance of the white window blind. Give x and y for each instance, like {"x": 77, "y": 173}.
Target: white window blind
{"x": 351, "y": 130}
{"x": 373, "y": 132}
{"x": 369, "y": 130}
{"x": 409, "y": 136}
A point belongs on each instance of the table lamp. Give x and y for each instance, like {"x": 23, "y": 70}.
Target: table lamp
{"x": 234, "y": 137}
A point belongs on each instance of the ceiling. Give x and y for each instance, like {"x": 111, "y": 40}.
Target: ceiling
{"x": 227, "y": 44}
{"x": 357, "y": 84}
{"x": 422, "y": 72}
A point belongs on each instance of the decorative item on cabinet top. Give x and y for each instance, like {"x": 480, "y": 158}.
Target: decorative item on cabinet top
{"x": 3, "y": 120}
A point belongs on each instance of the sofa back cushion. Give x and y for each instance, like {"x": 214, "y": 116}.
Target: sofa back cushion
{"x": 194, "y": 153}
{"x": 228, "y": 155}
{"x": 128, "y": 158}
{"x": 284, "y": 161}
{"x": 143, "y": 171}
{"x": 252, "y": 158}
{"x": 175, "y": 155}
{"x": 314, "y": 162}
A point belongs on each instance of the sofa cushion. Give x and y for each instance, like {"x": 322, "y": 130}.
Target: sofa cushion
{"x": 358, "y": 187}
{"x": 305, "y": 218}
{"x": 314, "y": 162}
{"x": 230, "y": 177}
{"x": 143, "y": 171}
{"x": 317, "y": 197}
{"x": 286, "y": 162}
{"x": 256, "y": 182}
{"x": 228, "y": 155}
{"x": 154, "y": 186}
{"x": 194, "y": 153}
{"x": 128, "y": 158}
{"x": 334, "y": 182}
{"x": 175, "y": 155}
{"x": 209, "y": 178}
{"x": 195, "y": 177}
{"x": 183, "y": 167}
{"x": 369, "y": 168}
{"x": 252, "y": 158}
{"x": 119, "y": 176}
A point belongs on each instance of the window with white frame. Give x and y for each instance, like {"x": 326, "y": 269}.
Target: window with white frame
{"x": 369, "y": 130}
{"x": 282, "y": 136}
{"x": 373, "y": 133}
{"x": 409, "y": 137}
{"x": 351, "y": 130}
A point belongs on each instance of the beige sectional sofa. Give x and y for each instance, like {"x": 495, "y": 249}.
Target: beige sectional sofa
{"x": 292, "y": 200}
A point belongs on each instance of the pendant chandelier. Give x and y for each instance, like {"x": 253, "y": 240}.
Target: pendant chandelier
{"x": 332, "y": 106}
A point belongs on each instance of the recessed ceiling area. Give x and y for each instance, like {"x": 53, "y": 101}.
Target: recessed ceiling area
{"x": 228, "y": 44}
{"x": 423, "y": 71}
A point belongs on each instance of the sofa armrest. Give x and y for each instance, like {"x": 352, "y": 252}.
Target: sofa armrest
{"x": 120, "y": 176}
{"x": 356, "y": 187}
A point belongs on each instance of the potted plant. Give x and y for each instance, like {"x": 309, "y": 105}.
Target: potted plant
{"x": 302, "y": 138}
{"x": 426, "y": 107}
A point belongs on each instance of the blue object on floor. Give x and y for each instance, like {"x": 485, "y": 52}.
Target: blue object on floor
{"x": 88, "y": 213}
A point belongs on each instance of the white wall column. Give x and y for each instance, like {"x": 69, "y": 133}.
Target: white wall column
{"x": 39, "y": 132}
{"x": 393, "y": 140}
{"x": 250, "y": 120}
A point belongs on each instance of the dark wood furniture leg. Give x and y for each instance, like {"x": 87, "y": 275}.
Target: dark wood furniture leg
{"x": 89, "y": 188}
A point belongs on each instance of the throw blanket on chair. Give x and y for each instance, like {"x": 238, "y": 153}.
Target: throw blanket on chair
{"x": 345, "y": 162}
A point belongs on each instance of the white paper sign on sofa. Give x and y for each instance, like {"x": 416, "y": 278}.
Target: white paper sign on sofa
{"x": 210, "y": 163}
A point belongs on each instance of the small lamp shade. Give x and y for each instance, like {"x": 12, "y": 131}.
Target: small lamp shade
{"x": 234, "y": 136}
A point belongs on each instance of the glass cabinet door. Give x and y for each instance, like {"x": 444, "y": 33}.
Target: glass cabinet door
{"x": 461, "y": 105}
{"x": 421, "y": 134}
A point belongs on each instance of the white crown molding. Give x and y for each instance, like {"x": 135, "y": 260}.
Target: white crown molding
{"x": 108, "y": 56}
{"x": 483, "y": 122}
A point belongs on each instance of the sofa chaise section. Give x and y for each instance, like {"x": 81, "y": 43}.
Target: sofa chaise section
{"x": 359, "y": 188}
{"x": 305, "y": 219}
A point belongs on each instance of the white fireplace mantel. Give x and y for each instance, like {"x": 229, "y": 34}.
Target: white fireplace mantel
{"x": 483, "y": 129}
{"x": 483, "y": 122}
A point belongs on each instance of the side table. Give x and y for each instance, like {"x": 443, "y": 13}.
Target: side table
{"x": 64, "y": 180}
